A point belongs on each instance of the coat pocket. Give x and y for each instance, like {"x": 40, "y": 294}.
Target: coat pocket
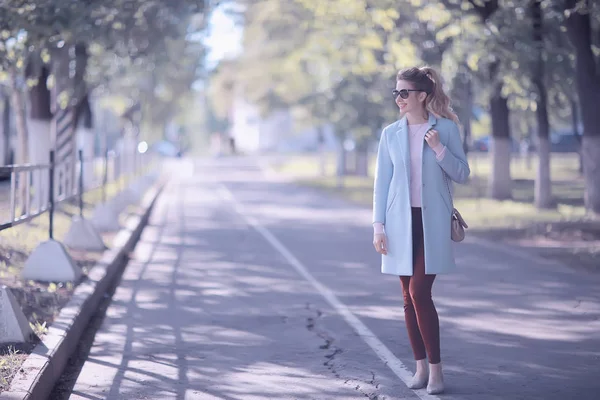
{"x": 389, "y": 207}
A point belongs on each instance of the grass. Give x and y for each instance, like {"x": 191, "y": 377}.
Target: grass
{"x": 565, "y": 232}
{"x": 10, "y": 363}
{"x": 482, "y": 212}
{"x": 42, "y": 302}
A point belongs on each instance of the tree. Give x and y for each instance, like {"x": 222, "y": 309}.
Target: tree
{"x": 297, "y": 55}
{"x": 578, "y": 21}
{"x": 543, "y": 183}
{"x": 46, "y": 44}
{"x": 494, "y": 39}
{"x": 58, "y": 34}
{"x": 490, "y": 52}
{"x": 14, "y": 50}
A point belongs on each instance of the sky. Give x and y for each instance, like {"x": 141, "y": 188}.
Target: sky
{"x": 224, "y": 39}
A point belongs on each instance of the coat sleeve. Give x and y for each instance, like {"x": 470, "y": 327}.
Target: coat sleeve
{"x": 383, "y": 176}
{"x": 454, "y": 162}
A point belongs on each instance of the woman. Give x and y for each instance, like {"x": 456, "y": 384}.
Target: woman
{"x": 418, "y": 158}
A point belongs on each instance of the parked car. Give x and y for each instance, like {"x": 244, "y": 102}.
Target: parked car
{"x": 565, "y": 143}
{"x": 483, "y": 144}
{"x": 166, "y": 149}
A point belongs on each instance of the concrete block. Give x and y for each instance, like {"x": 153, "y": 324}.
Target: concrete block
{"x": 51, "y": 262}
{"x": 106, "y": 217}
{"x": 14, "y": 327}
{"x": 82, "y": 235}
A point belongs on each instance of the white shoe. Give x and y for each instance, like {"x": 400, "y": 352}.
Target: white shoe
{"x": 435, "y": 388}
{"x": 421, "y": 376}
{"x": 418, "y": 382}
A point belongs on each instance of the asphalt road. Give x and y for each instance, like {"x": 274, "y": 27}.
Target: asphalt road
{"x": 244, "y": 287}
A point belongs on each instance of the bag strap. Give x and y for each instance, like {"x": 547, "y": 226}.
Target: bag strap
{"x": 455, "y": 212}
{"x": 448, "y": 187}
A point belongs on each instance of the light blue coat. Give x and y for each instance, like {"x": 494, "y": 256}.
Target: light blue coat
{"x": 391, "y": 197}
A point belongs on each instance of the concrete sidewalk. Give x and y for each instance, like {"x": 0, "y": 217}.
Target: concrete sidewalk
{"x": 245, "y": 288}
{"x": 207, "y": 310}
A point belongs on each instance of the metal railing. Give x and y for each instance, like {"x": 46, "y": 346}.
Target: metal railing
{"x": 30, "y": 195}
{"x": 16, "y": 174}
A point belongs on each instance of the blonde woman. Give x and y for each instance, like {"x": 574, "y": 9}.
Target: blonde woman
{"x": 419, "y": 157}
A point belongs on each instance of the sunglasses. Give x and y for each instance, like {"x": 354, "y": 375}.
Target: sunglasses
{"x": 404, "y": 93}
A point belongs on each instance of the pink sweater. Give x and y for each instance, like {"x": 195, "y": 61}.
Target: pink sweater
{"x": 416, "y": 141}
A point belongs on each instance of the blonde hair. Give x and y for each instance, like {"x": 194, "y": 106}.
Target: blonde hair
{"x": 428, "y": 80}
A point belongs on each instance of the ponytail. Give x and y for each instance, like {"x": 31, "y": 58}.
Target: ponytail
{"x": 438, "y": 102}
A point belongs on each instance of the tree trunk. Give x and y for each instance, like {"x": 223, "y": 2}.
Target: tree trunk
{"x": 86, "y": 139}
{"x": 543, "y": 180}
{"x": 40, "y": 118}
{"x": 4, "y": 138}
{"x": 362, "y": 158}
{"x": 79, "y": 101}
{"x": 463, "y": 94}
{"x": 466, "y": 115}
{"x": 528, "y": 150}
{"x": 591, "y": 172}
{"x": 588, "y": 88}
{"x": 63, "y": 123}
{"x": 22, "y": 146}
{"x": 18, "y": 104}
{"x": 575, "y": 122}
{"x": 321, "y": 150}
{"x": 500, "y": 185}
{"x": 342, "y": 158}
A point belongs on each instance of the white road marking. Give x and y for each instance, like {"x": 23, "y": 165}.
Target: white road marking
{"x": 361, "y": 329}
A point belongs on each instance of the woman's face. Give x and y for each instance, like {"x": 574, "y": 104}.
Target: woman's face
{"x": 413, "y": 104}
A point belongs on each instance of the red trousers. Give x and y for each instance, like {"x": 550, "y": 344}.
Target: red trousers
{"x": 420, "y": 314}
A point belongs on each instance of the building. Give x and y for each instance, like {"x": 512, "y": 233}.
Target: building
{"x": 276, "y": 132}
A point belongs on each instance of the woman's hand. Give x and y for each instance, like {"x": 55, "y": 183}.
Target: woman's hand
{"x": 432, "y": 137}
{"x": 380, "y": 243}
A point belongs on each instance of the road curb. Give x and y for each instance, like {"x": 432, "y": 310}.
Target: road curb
{"x": 44, "y": 366}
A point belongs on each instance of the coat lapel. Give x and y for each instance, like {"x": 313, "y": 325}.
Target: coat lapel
{"x": 432, "y": 121}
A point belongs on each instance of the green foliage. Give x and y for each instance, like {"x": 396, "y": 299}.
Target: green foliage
{"x": 139, "y": 50}
{"x": 221, "y": 89}
{"x": 336, "y": 60}
{"x": 333, "y": 60}
{"x": 9, "y": 366}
